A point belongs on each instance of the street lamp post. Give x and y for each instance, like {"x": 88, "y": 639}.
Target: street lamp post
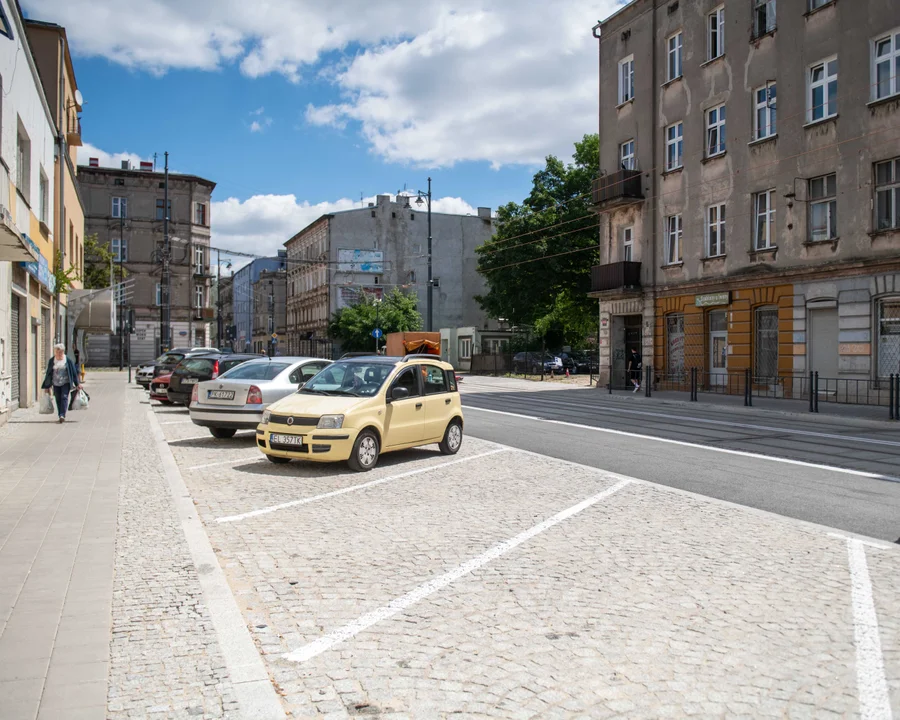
{"x": 377, "y": 307}
{"x": 120, "y": 295}
{"x": 430, "y": 291}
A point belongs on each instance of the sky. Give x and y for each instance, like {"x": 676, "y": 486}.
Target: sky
{"x": 296, "y": 108}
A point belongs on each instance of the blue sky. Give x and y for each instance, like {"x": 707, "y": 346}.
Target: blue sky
{"x": 295, "y": 107}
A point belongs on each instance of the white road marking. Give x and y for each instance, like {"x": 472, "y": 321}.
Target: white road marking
{"x": 745, "y": 426}
{"x": 871, "y": 684}
{"x": 880, "y": 545}
{"x": 175, "y": 422}
{"x": 682, "y": 443}
{"x": 258, "y": 456}
{"x": 354, "y": 488}
{"x": 317, "y": 647}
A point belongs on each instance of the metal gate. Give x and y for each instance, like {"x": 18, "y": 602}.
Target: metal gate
{"x": 14, "y": 350}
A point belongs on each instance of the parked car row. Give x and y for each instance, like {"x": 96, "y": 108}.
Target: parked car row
{"x": 573, "y": 361}
{"x": 314, "y": 409}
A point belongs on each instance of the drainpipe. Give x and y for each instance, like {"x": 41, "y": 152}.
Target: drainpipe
{"x": 61, "y": 149}
{"x": 597, "y": 32}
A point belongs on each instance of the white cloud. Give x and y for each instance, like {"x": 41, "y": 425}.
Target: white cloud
{"x": 261, "y": 224}
{"x": 505, "y": 82}
{"x": 87, "y": 151}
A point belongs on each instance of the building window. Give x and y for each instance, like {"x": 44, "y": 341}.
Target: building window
{"x": 764, "y": 120}
{"x": 465, "y": 348}
{"x": 675, "y": 346}
{"x": 673, "y": 239}
{"x": 823, "y": 208}
{"x": 886, "y": 66}
{"x": 44, "y": 204}
{"x": 673, "y": 66}
{"x": 764, "y": 220}
{"x": 674, "y": 146}
{"x": 626, "y": 80}
{"x": 816, "y": 4}
{"x": 821, "y": 97}
{"x": 199, "y": 261}
{"x": 888, "y": 337}
{"x": 715, "y": 230}
{"x": 119, "y": 249}
{"x": 200, "y": 214}
{"x": 763, "y": 17}
{"x": 159, "y": 298}
{"x": 715, "y": 35}
{"x": 765, "y": 342}
{"x": 887, "y": 195}
{"x": 715, "y": 131}
{"x": 120, "y": 207}
{"x": 626, "y": 155}
{"x": 23, "y": 164}
{"x": 198, "y": 297}
{"x": 160, "y": 204}
{"x": 628, "y": 244}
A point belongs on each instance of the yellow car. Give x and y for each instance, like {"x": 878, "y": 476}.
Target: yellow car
{"x": 357, "y": 408}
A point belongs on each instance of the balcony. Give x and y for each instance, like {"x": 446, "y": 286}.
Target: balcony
{"x": 624, "y": 277}
{"x": 204, "y": 313}
{"x": 616, "y": 188}
{"x": 202, "y": 273}
{"x": 73, "y": 131}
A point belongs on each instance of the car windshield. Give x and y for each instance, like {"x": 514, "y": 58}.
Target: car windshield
{"x": 170, "y": 359}
{"x": 349, "y": 378}
{"x": 255, "y": 371}
{"x": 196, "y": 365}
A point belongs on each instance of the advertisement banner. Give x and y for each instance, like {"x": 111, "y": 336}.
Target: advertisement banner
{"x": 40, "y": 270}
{"x": 350, "y": 295}
{"x": 361, "y": 261}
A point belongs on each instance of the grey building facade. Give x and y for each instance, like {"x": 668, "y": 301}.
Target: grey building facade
{"x": 124, "y": 208}
{"x": 270, "y": 312}
{"x": 377, "y": 249}
{"x": 749, "y": 188}
{"x": 244, "y": 298}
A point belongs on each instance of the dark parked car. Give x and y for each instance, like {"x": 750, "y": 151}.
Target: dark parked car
{"x": 166, "y": 363}
{"x": 199, "y": 368}
{"x": 530, "y": 362}
{"x": 579, "y": 362}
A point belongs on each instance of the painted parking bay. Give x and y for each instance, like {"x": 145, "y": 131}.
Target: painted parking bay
{"x": 643, "y": 603}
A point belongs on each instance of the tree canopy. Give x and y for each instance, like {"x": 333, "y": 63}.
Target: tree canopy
{"x": 537, "y": 266}
{"x": 98, "y": 264}
{"x": 352, "y": 326}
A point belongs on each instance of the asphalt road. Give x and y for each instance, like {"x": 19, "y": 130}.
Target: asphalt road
{"x": 834, "y": 472}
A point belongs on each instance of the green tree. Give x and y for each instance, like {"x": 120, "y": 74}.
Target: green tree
{"x": 352, "y": 326}
{"x": 99, "y": 262}
{"x": 64, "y": 278}
{"x": 537, "y": 267}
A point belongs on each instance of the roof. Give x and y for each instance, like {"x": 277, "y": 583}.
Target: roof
{"x": 389, "y": 359}
{"x": 86, "y": 170}
{"x": 59, "y": 29}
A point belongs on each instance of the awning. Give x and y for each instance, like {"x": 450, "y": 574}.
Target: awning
{"x": 13, "y": 247}
{"x": 94, "y": 311}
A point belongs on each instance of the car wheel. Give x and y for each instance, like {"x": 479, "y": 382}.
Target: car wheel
{"x": 453, "y": 437}
{"x": 222, "y": 433}
{"x": 165, "y": 402}
{"x": 277, "y": 460}
{"x": 365, "y": 452}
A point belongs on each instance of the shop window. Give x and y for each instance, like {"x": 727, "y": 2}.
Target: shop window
{"x": 675, "y": 345}
{"x": 888, "y": 337}
{"x": 765, "y": 342}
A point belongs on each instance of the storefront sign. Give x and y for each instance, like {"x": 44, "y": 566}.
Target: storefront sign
{"x": 39, "y": 270}
{"x": 712, "y": 299}
{"x": 360, "y": 261}
{"x": 854, "y": 349}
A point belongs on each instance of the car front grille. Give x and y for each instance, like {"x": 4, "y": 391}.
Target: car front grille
{"x": 296, "y": 420}
{"x": 289, "y": 448}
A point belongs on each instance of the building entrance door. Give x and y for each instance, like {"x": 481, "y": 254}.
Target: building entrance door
{"x": 718, "y": 348}
{"x": 823, "y": 342}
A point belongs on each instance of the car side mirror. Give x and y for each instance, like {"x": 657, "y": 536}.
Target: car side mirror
{"x": 399, "y": 393}
{"x": 302, "y": 383}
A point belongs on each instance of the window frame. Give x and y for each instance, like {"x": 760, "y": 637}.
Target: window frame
{"x": 411, "y": 370}
{"x": 627, "y": 158}
{"x": 716, "y": 225}
{"x": 628, "y": 244}
{"x": 436, "y": 370}
{"x": 771, "y": 15}
{"x": 893, "y": 62}
{"x": 769, "y": 214}
{"x": 200, "y": 209}
{"x": 117, "y": 245}
{"x": 43, "y": 197}
{"x": 675, "y": 52}
{"x": 769, "y": 106}
{"x": 715, "y": 34}
{"x": 119, "y": 209}
{"x": 674, "y": 232}
{"x": 880, "y": 322}
{"x": 892, "y": 191}
{"x": 716, "y": 129}
{"x": 626, "y": 94}
{"x": 23, "y": 163}
{"x": 770, "y": 334}
{"x": 828, "y": 111}
{"x": 813, "y": 5}
{"x": 826, "y": 200}
{"x": 465, "y": 342}
{"x": 677, "y": 142}
{"x": 161, "y": 206}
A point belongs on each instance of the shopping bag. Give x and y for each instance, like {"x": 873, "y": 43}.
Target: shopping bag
{"x": 46, "y": 405}
{"x": 82, "y": 399}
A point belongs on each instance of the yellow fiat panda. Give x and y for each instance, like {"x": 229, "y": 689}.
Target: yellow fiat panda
{"x": 357, "y": 408}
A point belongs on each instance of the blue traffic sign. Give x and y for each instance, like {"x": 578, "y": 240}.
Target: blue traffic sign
{"x": 377, "y": 333}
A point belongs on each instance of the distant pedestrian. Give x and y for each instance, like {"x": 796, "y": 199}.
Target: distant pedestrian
{"x": 62, "y": 377}
{"x": 634, "y": 369}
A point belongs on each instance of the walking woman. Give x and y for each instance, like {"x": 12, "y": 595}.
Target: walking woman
{"x": 61, "y": 376}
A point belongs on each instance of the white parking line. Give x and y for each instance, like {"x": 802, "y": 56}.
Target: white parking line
{"x": 699, "y": 446}
{"x": 871, "y": 684}
{"x": 198, "y": 437}
{"x": 317, "y": 647}
{"x": 258, "y": 456}
{"x": 354, "y": 488}
{"x": 176, "y": 422}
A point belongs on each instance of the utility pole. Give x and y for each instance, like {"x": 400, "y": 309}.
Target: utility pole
{"x": 219, "y": 342}
{"x": 271, "y": 316}
{"x": 165, "y": 306}
{"x": 377, "y": 306}
{"x": 430, "y": 278}
{"x": 120, "y": 309}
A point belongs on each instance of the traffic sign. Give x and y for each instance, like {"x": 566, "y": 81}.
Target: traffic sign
{"x": 377, "y": 333}
{"x": 274, "y": 336}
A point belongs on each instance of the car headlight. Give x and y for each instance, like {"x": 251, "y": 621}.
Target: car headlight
{"x": 331, "y": 422}
{"x": 266, "y": 415}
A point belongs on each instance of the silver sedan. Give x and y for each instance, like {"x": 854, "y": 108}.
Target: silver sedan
{"x": 237, "y": 399}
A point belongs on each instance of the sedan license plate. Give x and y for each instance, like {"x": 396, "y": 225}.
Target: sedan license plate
{"x": 188, "y": 381}
{"x": 220, "y": 395}
{"x": 286, "y": 439}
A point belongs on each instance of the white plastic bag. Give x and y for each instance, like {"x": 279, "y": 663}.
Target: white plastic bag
{"x": 46, "y": 405}
{"x": 82, "y": 400}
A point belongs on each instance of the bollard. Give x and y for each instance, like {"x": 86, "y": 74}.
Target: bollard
{"x": 129, "y": 372}
{"x": 610, "y": 378}
{"x": 811, "y": 391}
{"x": 748, "y": 388}
{"x": 891, "y": 397}
{"x": 897, "y": 397}
{"x": 648, "y": 381}
{"x": 817, "y": 391}
{"x": 693, "y": 384}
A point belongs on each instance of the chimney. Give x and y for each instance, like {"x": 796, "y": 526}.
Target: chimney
{"x": 94, "y": 162}
{"x": 146, "y": 166}
{"x": 126, "y": 165}
{"x": 484, "y": 213}
{"x": 371, "y": 204}
{"x": 383, "y": 200}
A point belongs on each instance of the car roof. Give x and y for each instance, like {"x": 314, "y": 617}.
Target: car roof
{"x": 393, "y": 360}
{"x": 293, "y": 359}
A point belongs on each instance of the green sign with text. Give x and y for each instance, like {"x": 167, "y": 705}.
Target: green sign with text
{"x": 712, "y": 299}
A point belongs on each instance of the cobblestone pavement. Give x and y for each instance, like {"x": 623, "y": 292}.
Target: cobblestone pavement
{"x": 419, "y": 595}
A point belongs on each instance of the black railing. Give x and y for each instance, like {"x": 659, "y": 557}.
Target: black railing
{"x": 615, "y": 276}
{"x": 620, "y": 185}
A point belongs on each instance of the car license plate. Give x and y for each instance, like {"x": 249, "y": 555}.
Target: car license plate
{"x": 286, "y": 439}
{"x": 188, "y": 381}
{"x": 220, "y": 395}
